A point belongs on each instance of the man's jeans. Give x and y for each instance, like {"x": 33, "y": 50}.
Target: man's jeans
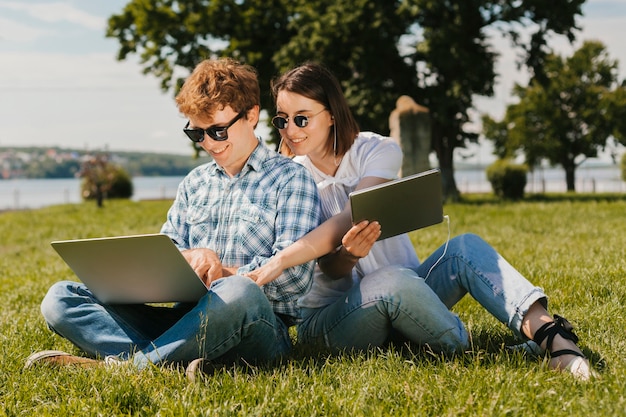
{"x": 233, "y": 320}
{"x": 396, "y": 300}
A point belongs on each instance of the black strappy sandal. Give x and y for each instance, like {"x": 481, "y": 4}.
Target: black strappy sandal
{"x": 559, "y": 326}
{"x": 562, "y": 327}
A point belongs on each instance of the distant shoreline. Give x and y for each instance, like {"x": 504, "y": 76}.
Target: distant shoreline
{"x": 62, "y": 163}
{"x": 36, "y": 193}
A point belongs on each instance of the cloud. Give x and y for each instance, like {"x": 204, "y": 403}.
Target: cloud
{"x": 595, "y": 26}
{"x": 604, "y": 9}
{"x": 56, "y": 12}
{"x": 65, "y": 71}
{"x": 91, "y": 100}
{"x": 12, "y": 31}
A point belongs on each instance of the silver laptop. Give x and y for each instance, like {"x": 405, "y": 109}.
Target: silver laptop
{"x": 132, "y": 269}
{"x": 402, "y": 205}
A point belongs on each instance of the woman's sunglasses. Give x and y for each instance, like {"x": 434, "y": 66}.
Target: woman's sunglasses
{"x": 218, "y": 133}
{"x": 299, "y": 120}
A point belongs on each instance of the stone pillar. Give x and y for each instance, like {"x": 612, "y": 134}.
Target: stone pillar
{"x": 409, "y": 125}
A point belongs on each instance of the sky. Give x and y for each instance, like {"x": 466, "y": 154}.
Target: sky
{"x": 61, "y": 84}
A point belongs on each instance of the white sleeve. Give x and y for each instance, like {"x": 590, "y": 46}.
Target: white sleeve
{"x": 378, "y": 156}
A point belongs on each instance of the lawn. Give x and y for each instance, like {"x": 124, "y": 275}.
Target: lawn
{"x": 575, "y": 248}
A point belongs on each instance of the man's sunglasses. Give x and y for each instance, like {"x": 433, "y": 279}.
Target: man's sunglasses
{"x": 218, "y": 133}
{"x": 299, "y": 120}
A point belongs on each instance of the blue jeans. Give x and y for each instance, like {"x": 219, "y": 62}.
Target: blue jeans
{"x": 233, "y": 320}
{"x": 396, "y": 300}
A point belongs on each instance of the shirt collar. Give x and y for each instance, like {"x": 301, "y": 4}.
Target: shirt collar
{"x": 257, "y": 158}
{"x": 255, "y": 161}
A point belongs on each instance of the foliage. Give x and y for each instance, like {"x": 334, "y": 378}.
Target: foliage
{"x": 575, "y": 248}
{"x": 103, "y": 179}
{"x": 156, "y": 164}
{"x": 569, "y": 116}
{"x": 623, "y": 166}
{"x": 507, "y": 179}
{"x": 121, "y": 184}
{"x": 437, "y": 52}
{"x": 52, "y": 168}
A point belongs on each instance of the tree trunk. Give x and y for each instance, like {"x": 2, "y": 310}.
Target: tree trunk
{"x": 445, "y": 154}
{"x": 570, "y": 177}
{"x": 99, "y": 196}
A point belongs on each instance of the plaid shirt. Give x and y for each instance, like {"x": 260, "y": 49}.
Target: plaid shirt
{"x": 246, "y": 219}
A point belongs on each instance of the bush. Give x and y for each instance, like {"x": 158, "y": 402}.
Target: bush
{"x": 121, "y": 185}
{"x": 623, "y": 166}
{"x": 507, "y": 179}
{"x": 102, "y": 179}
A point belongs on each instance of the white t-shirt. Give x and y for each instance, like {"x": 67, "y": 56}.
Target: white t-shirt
{"x": 371, "y": 155}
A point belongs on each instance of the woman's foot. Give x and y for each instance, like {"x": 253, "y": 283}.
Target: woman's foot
{"x": 559, "y": 339}
{"x": 576, "y": 364}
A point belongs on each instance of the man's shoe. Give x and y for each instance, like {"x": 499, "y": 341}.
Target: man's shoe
{"x": 58, "y": 357}
{"x": 194, "y": 369}
{"x": 201, "y": 367}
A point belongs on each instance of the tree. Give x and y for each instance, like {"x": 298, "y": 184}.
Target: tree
{"x": 569, "y": 116}
{"x": 102, "y": 179}
{"x": 435, "y": 51}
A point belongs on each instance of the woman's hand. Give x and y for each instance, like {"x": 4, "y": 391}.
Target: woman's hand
{"x": 268, "y": 272}
{"x": 358, "y": 241}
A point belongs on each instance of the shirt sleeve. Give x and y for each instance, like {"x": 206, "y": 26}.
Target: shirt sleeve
{"x": 379, "y": 156}
{"x": 175, "y": 225}
{"x": 299, "y": 213}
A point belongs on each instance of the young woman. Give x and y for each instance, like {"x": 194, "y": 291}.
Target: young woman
{"x": 366, "y": 291}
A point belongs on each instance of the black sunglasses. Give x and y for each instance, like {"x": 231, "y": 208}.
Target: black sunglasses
{"x": 218, "y": 133}
{"x": 299, "y": 120}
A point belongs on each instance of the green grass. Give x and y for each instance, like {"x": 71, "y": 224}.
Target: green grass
{"x": 574, "y": 248}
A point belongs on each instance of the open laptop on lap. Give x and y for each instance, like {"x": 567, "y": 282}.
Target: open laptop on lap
{"x": 402, "y": 205}
{"x": 132, "y": 269}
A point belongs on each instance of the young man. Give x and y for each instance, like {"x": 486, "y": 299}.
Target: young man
{"x": 229, "y": 217}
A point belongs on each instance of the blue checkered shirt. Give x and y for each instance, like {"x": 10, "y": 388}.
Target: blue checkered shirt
{"x": 246, "y": 219}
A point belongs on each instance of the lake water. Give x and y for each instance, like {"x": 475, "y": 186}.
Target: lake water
{"x": 36, "y": 193}
{"x": 589, "y": 179}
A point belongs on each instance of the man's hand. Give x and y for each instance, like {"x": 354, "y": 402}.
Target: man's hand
{"x": 205, "y": 263}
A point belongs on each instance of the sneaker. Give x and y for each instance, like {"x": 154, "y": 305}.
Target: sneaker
{"x": 58, "y": 357}
{"x": 111, "y": 361}
{"x": 194, "y": 369}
